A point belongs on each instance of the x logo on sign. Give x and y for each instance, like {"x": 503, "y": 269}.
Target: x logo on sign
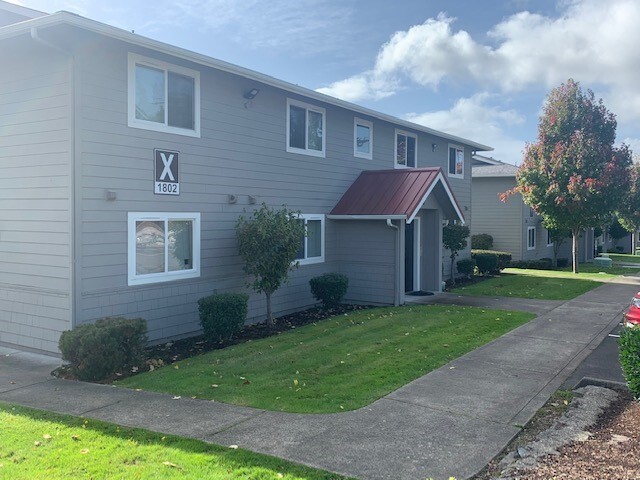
{"x": 167, "y": 167}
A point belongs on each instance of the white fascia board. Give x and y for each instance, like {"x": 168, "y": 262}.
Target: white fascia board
{"x": 128, "y": 37}
{"x": 366, "y": 217}
{"x": 439, "y": 179}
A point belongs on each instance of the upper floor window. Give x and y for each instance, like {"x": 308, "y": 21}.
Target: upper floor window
{"x": 531, "y": 238}
{"x": 312, "y": 245}
{"x": 305, "y": 128}
{"x": 362, "y": 138}
{"x": 163, "y": 246}
{"x": 163, "y": 97}
{"x": 456, "y": 161}
{"x": 406, "y": 150}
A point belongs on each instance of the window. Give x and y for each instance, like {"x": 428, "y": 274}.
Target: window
{"x": 312, "y": 244}
{"x": 406, "y": 149}
{"x": 163, "y": 247}
{"x": 456, "y": 161}
{"x": 531, "y": 212}
{"x": 362, "y": 138}
{"x": 549, "y": 240}
{"x": 531, "y": 238}
{"x": 305, "y": 128}
{"x": 163, "y": 97}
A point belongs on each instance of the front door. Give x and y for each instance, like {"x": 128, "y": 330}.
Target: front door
{"x": 412, "y": 256}
{"x": 409, "y": 239}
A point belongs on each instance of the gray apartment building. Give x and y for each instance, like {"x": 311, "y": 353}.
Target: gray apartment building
{"x": 126, "y": 163}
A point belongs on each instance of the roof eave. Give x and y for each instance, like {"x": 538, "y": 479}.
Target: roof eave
{"x": 128, "y": 37}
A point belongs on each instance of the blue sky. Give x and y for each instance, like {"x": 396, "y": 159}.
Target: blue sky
{"x": 478, "y": 69}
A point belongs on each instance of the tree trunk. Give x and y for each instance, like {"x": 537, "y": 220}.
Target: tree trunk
{"x": 574, "y": 249}
{"x": 453, "y": 277}
{"x": 269, "y": 314}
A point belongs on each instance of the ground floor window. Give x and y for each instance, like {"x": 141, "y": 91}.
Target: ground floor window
{"x": 531, "y": 238}
{"x": 549, "y": 239}
{"x": 312, "y": 244}
{"x": 163, "y": 246}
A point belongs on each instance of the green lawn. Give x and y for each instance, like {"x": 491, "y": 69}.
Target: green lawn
{"x": 338, "y": 364}
{"x": 48, "y": 446}
{"x": 624, "y": 258}
{"x": 543, "y": 284}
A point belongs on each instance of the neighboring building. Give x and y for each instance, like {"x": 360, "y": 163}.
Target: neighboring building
{"x": 514, "y": 226}
{"x": 126, "y": 163}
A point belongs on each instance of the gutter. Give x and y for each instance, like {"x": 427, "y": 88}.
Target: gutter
{"x": 35, "y": 36}
{"x": 396, "y": 288}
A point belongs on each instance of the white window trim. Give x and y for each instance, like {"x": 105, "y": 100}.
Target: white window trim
{"x": 549, "y": 242}
{"x": 135, "y": 59}
{"x": 457, "y": 147}
{"x": 135, "y": 279}
{"x": 534, "y": 238}
{"x": 369, "y": 125}
{"x": 308, "y": 107}
{"x": 306, "y": 217}
{"x": 395, "y": 149}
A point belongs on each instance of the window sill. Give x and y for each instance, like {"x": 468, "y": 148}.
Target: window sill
{"x": 310, "y": 153}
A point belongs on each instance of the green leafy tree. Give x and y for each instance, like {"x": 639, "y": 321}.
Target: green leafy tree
{"x": 572, "y": 175}
{"x": 454, "y": 238}
{"x": 269, "y": 242}
{"x": 629, "y": 212}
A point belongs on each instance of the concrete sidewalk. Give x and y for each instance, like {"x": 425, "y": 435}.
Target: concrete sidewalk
{"x": 452, "y": 421}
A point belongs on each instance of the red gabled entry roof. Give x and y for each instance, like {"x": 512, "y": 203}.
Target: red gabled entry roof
{"x": 393, "y": 192}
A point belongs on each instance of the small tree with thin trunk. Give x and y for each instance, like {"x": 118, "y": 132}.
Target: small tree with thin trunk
{"x": 269, "y": 242}
{"x": 454, "y": 238}
{"x": 572, "y": 175}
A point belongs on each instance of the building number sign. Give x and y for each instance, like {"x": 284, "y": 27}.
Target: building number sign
{"x": 166, "y": 172}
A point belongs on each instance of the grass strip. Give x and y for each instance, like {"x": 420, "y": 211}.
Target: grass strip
{"x": 341, "y": 363}
{"x": 45, "y": 445}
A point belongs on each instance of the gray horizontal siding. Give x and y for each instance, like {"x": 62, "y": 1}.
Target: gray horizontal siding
{"x": 242, "y": 152}
{"x": 35, "y": 239}
{"x": 501, "y": 220}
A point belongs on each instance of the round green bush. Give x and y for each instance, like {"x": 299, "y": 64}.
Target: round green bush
{"x": 329, "y": 288}
{"x": 222, "y": 315}
{"x": 481, "y": 241}
{"x": 466, "y": 266}
{"x": 629, "y": 343}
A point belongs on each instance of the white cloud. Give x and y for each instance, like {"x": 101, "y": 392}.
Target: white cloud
{"x": 593, "y": 41}
{"x": 475, "y": 118}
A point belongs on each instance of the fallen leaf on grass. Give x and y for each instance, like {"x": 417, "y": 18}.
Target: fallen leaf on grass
{"x": 295, "y": 382}
{"x": 37, "y": 444}
{"x": 46, "y": 436}
{"x": 75, "y": 438}
{"x": 235, "y": 447}
{"x": 169, "y": 464}
{"x": 84, "y": 451}
{"x": 215, "y": 386}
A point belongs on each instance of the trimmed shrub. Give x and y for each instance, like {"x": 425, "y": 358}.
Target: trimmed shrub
{"x": 563, "y": 262}
{"x": 466, "y": 266}
{"x": 502, "y": 260}
{"x": 482, "y": 241}
{"x": 329, "y": 288}
{"x": 222, "y": 315}
{"x": 630, "y": 358}
{"x": 485, "y": 261}
{"x": 100, "y": 350}
{"x": 542, "y": 264}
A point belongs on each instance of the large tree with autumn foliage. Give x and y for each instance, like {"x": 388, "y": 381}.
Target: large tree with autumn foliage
{"x": 572, "y": 175}
{"x": 629, "y": 211}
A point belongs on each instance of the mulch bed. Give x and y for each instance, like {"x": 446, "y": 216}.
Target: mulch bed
{"x": 612, "y": 452}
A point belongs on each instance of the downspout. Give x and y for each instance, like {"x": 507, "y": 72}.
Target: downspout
{"x": 396, "y": 289}
{"x": 72, "y": 167}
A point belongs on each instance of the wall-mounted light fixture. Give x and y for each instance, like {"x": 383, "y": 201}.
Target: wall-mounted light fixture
{"x": 251, "y": 94}
{"x": 434, "y": 147}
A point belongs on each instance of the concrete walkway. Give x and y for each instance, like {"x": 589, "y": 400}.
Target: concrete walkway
{"x": 452, "y": 421}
